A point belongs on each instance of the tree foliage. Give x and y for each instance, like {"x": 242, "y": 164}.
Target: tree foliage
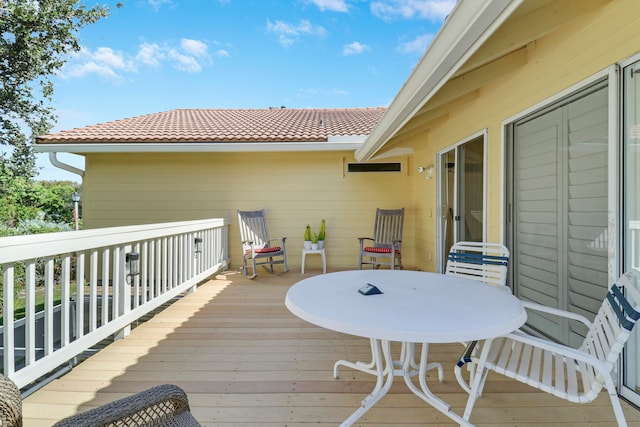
{"x": 35, "y": 37}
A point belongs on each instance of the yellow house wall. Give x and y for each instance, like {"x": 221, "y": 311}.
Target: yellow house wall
{"x": 513, "y": 84}
{"x": 301, "y": 188}
{"x": 295, "y": 189}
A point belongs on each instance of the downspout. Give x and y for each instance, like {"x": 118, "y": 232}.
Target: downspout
{"x": 64, "y": 166}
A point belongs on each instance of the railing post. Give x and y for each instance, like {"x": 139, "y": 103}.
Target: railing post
{"x": 123, "y": 277}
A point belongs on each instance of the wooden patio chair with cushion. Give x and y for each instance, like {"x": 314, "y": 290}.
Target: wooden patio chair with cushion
{"x": 257, "y": 247}
{"x": 164, "y": 405}
{"x": 577, "y": 375}
{"x": 386, "y": 242}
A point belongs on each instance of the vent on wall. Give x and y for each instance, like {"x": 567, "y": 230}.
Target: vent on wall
{"x": 374, "y": 167}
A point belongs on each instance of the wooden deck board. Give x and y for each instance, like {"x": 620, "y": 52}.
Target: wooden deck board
{"x": 244, "y": 360}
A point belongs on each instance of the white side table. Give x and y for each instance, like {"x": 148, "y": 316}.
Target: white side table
{"x": 316, "y": 251}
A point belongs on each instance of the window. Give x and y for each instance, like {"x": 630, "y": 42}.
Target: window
{"x": 374, "y": 167}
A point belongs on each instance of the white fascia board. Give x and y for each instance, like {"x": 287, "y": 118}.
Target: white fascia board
{"x": 468, "y": 26}
{"x": 221, "y": 147}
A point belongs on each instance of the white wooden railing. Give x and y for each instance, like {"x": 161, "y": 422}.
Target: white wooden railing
{"x": 174, "y": 258}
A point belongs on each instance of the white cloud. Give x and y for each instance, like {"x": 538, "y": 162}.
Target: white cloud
{"x": 288, "y": 33}
{"x": 417, "y": 45}
{"x": 184, "y": 62}
{"x": 104, "y": 62}
{"x": 150, "y": 54}
{"x": 194, "y": 47}
{"x": 157, "y": 3}
{"x": 434, "y": 10}
{"x": 355, "y": 48}
{"x": 332, "y": 5}
{"x": 190, "y": 56}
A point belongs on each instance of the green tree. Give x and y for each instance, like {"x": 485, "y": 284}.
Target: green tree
{"x": 36, "y": 37}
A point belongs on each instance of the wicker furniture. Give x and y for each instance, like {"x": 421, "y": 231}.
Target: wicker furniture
{"x": 257, "y": 247}
{"x": 577, "y": 375}
{"x": 164, "y": 405}
{"x": 386, "y": 242}
{"x": 10, "y": 403}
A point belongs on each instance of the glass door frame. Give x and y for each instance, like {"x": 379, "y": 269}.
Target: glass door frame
{"x": 441, "y": 169}
{"x": 630, "y": 361}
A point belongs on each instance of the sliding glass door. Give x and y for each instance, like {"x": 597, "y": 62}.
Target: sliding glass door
{"x": 460, "y": 195}
{"x": 631, "y": 212}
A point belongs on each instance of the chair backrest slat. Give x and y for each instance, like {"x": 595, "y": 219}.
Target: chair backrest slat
{"x": 253, "y": 227}
{"x": 612, "y": 326}
{"x": 388, "y": 226}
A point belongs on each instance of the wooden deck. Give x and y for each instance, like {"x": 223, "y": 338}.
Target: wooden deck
{"x": 245, "y": 360}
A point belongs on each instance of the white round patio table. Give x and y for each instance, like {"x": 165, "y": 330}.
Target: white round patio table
{"x": 414, "y": 307}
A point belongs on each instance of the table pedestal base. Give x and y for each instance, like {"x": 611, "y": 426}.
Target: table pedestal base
{"x": 385, "y": 369}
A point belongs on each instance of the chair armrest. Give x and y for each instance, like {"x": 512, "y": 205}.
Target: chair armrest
{"x": 362, "y": 239}
{"x": 560, "y": 349}
{"x": 149, "y": 407}
{"x": 278, "y": 239}
{"x": 556, "y": 311}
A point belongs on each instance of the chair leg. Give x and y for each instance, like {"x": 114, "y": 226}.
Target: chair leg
{"x": 245, "y": 271}
{"x": 615, "y": 401}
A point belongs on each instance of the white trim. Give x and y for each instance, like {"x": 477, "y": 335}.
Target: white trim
{"x": 484, "y": 133}
{"x": 468, "y": 26}
{"x": 394, "y": 152}
{"x": 205, "y": 147}
{"x": 615, "y": 171}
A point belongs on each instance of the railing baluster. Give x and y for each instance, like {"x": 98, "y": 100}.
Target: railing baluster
{"x": 105, "y": 287}
{"x": 49, "y": 285}
{"x": 79, "y": 327}
{"x": 93, "y": 291}
{"x": 65, "y": 298}
{"x": 8, "y": 308}
{"x": 30, "y": 311}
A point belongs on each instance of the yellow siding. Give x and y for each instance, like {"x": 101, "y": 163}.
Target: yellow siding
{"x": 577, "y": 40}
{"x": 487, "y": 96}
{"x": 294, "y": 188}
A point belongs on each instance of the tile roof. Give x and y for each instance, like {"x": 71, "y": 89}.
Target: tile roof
{"x": 214, "y": 125}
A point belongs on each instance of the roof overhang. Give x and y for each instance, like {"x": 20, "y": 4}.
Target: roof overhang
{"x": 334, "y": 143}
{"x": 468, "y": 26}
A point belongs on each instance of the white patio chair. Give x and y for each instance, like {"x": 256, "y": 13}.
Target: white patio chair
{"x": 257, "y": 247}
{"x": 484, "y": 262}
{"x": 577, "y": 375}
{"x": 386, "y": 242}
{"x": 480, "y": 261}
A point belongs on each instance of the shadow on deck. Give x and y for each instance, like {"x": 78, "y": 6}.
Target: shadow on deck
{"x": 245, "y": 360}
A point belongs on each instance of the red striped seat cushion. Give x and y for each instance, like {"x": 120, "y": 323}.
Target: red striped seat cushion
{"x": 267, "y": 250}
{"x": 380, "y": 250}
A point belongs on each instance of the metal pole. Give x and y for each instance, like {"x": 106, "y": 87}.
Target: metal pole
{"x": 75, "y": 197}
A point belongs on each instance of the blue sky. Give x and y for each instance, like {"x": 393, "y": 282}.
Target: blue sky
{"x": 158, "y": 55}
